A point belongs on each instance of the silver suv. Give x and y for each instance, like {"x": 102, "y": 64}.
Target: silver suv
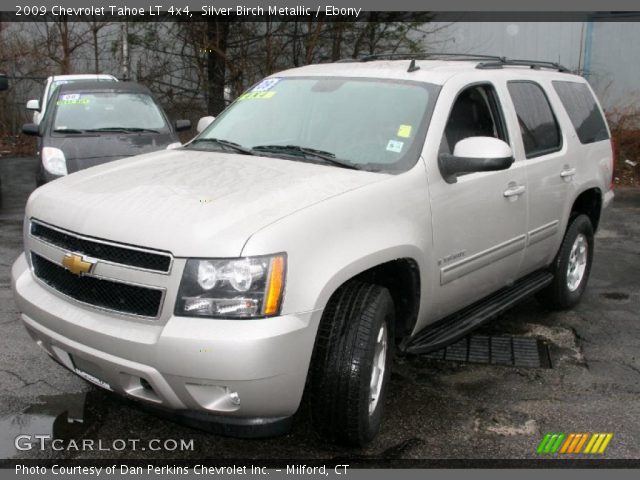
{"x": 332, "y": 215}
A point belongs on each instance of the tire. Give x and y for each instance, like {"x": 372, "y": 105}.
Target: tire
{"x": 566, "y": 289}
{"x": 343, "y": 364}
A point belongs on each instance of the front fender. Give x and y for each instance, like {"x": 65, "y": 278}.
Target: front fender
{"x": 332, "y": 241}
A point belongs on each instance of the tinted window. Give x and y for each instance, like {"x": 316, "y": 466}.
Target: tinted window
{"x": 582, "y": 110}
{"x": 540, "y": 131}
{"x": 475, "y": 113}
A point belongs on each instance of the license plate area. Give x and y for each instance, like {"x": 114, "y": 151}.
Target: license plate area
{"x": 89, "y": 371}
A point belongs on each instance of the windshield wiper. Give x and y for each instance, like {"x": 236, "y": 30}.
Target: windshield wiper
{"x": 68, "y": 130}
{"x": 226, "y": 144}
{"x": 122, "y": 129}
{"x": 306, "y": 152}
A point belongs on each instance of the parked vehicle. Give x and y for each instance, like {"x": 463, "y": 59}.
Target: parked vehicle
{"x": 90, "y": 123}
{"x": 39, "y": 106}
{"x": 332, "y": 215}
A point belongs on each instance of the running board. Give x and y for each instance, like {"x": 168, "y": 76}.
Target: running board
{"x": 457, "y": 325}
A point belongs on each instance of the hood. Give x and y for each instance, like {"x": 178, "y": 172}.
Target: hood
{"x": 83, "y": 151}
{"x": 188, "y": 202}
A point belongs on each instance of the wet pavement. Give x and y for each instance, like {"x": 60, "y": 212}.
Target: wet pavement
{"x": 436, "y": 409}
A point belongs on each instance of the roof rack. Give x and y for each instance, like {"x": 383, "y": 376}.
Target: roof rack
{"x": 534, "y": 64}
{"x": 428, "y": 56}
{"x": 486, "y": 61}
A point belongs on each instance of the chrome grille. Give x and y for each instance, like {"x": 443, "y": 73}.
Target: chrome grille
{"x": 121, "y": 254}
{"x": 99, "y": 292}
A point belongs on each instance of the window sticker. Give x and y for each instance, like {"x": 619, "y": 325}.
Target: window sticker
{"x": 395, "y": 146}
{"x": 70, "y": 96}
{"x": 79, "y": 101}
{"x": 404, "y": 131}
{"x": 265, "y": 85}
{"x": 256, "y": 95}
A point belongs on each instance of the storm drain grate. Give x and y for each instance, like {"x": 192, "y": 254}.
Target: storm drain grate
{"x": 497, "y": 350}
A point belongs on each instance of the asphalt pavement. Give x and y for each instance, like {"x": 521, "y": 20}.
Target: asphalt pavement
{"x": 435, "y": 409}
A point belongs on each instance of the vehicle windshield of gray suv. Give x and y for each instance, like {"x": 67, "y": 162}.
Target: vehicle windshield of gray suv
{"x": 333, "y": 216}
{"x": 365, "y": 123}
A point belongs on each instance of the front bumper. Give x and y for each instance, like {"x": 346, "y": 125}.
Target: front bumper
{"x": 250, "y": 371}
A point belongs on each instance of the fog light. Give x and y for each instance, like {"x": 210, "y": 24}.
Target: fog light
{"x": 235, "y": 398}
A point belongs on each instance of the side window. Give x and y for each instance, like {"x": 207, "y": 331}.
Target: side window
{"x": 540, "y": 130}
{"x": 475, "y": 113}
{"x": 583, "y": 111}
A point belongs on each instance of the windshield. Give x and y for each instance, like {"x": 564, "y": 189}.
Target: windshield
{"x": 103, "y": 110}
{"x": 372, "y": 124}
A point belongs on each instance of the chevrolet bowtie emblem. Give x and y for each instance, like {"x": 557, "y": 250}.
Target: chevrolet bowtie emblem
{"x": 75, "y": 264}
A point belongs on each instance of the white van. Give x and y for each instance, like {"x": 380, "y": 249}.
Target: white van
{"x": 39, "y": 106}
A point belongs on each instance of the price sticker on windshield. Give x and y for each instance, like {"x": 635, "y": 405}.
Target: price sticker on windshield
{"x": 69, "y": 96}
{"x": 256, "y": 95}
{"x": 266, "y": 85}
{"x": 73, "y": 101}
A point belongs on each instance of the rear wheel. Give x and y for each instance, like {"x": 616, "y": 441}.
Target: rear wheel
{"x": 571, "y": 266}
{"x": 351, "y": 364}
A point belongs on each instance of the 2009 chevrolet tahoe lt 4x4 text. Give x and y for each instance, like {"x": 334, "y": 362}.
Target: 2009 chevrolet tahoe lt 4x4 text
{"x": 332, "y": 214}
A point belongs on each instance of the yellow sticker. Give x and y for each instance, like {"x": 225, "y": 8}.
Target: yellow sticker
{"x": 404, "y": 131}
{"x": 256, "y": 95}
{"x": 82, "y": 101}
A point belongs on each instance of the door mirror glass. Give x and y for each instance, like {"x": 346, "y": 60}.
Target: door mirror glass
{"x": 475, "y": 154}
{"x": 182, "y": 125}
{"x": 33, "y": 105}
{"x": 204, "y": 122}
{"x": 31, "y": 129}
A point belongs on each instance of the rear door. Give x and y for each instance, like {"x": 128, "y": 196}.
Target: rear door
{"x": 542, "y": 147}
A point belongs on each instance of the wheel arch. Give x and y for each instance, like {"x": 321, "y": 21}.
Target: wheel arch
{"x": 401, "y": 276}
{"x": 588, "y": 202}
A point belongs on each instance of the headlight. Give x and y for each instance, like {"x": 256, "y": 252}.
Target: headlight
{"x": 249, "y": 287}
{"x": 53, "y": 161}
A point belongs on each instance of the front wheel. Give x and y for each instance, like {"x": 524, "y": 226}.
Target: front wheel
{"x": 351, "y": 364}
{"x": 571, "y": 266}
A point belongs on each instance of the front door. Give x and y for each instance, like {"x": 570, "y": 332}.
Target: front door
{"x": 478, "y": 223}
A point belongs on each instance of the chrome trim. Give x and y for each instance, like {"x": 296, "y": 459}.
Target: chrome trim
{"x": 543, "y": 232}
{"x": 482, "y": 259}
{"x": 105, "y": 242}
{"x": 98, "y": 307}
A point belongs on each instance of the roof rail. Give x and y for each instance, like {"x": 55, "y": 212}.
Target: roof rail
{"x": 427, "y": 56}
{"x": 534, "y": 64}
{"x": 486, "y": 61}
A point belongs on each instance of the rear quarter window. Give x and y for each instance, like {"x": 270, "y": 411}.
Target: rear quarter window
{"x": 583, "y": 111}
{"x": 538, "y": 125}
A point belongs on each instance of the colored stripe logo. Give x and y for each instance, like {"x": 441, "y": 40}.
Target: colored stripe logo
{"x": 568, "y": 443}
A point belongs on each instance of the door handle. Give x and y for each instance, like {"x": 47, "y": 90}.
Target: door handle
{"x": 568, "y": 172}
{"x": 515, "y": 191}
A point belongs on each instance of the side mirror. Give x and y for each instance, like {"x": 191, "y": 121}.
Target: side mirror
{"x": 182, "y": 125}
{"x": 475, "y": 154}
{"x": 4, "y": 82}
{"x": 31, "y": 129}
{"x": 204, "y": 122}
{"x": 33, "y": 105}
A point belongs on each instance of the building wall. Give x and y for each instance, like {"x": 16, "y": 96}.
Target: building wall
{"x": 609, "y": 60}
{"x": 614, "y": 67}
